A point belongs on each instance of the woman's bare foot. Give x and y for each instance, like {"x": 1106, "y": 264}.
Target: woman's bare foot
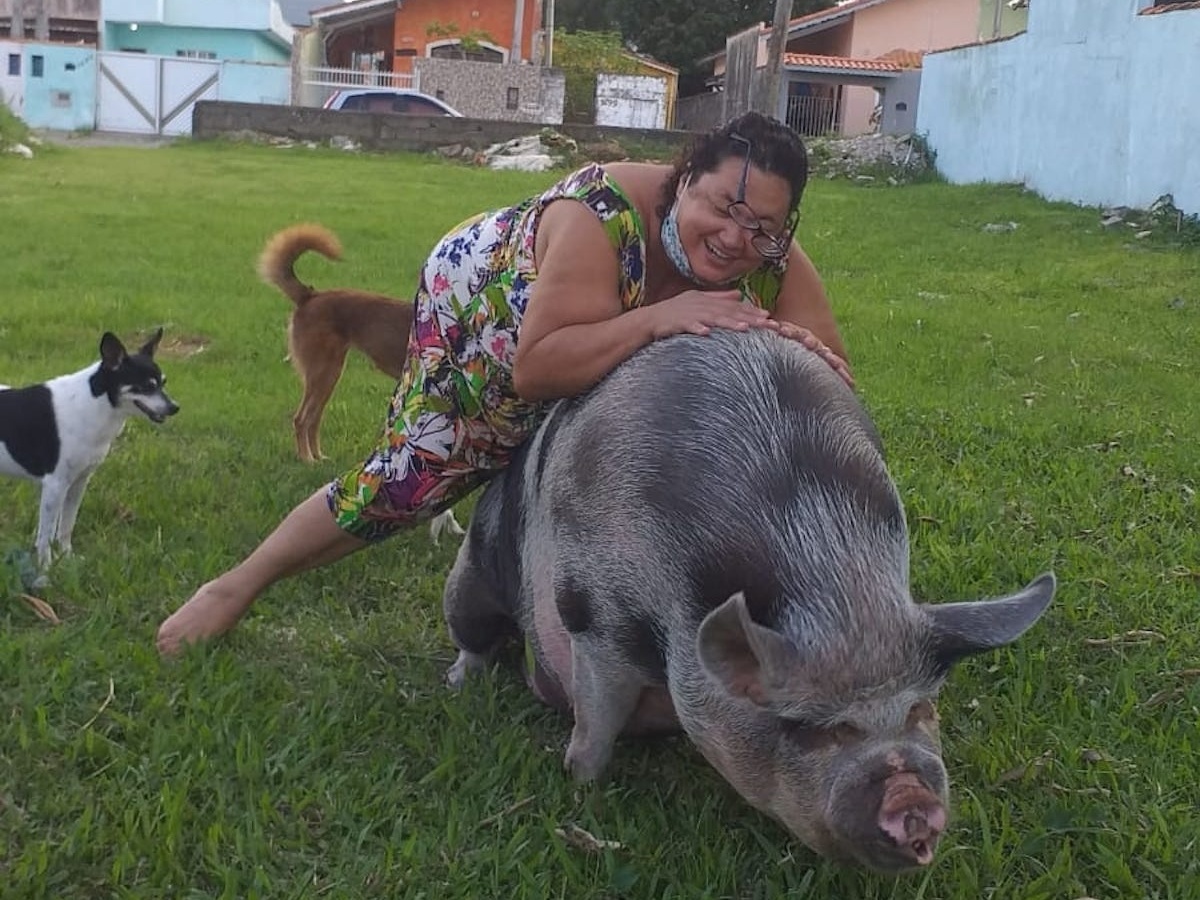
{"x": 308, "y": 537}
{"x": 212, "y": 611}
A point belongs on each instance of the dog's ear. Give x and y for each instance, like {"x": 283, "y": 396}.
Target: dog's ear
{"x": 151, "y": 345}
{"x": 112, "y": 351}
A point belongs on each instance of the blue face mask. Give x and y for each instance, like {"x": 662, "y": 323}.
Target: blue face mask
{"x": 673, "y": 246}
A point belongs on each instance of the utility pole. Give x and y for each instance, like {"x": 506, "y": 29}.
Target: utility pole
{"x": 769, "y": 98}
{"x": 515, "y": 53}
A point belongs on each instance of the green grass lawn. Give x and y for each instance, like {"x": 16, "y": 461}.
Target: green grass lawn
{"x": 1037, "y": 393}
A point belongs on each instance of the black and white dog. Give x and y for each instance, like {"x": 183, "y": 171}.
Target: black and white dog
{"x": 59, "y": 431}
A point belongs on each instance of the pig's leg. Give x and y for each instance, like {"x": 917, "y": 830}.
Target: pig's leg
{"x": 478, "y": 623}
{"x": 605, "y": 693}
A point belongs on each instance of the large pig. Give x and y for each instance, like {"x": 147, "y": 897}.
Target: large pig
{"x": 709, "y": 538}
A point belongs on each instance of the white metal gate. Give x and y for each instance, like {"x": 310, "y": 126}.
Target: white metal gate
{"x": 152, "y": 94}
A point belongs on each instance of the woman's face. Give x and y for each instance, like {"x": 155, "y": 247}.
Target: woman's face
{"x": 718, "y": 248}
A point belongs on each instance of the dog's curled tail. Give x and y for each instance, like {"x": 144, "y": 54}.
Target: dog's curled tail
{"x": 275, "y": 265}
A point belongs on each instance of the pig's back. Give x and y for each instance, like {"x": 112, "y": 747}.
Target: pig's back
{"x": 722, "y": 458}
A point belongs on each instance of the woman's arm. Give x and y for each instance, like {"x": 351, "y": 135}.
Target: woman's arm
{"x": 572, "y": 332}
{"x": 802, "y": 308}
{"x": 802, "y": 301}
{"x": 575, "y": 331}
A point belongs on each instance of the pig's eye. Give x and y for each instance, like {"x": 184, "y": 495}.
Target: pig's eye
{"x": 809, "y": 735}
{"x": 845, "y": 732}
{"x": 805, "y": 734}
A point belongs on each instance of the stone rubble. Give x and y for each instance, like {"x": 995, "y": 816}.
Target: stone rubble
{"x": 865, "y": 158}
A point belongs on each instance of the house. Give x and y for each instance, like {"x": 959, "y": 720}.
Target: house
{"x": 51, "y": 21}
{"x": 387, "y": 36}
{"x": 45, "y": 51}
{"x": 485, "y": 59}
{"x": 850, "y": 68}
{"x": 242, "y": 30}
{"x": 1094, "y": 103}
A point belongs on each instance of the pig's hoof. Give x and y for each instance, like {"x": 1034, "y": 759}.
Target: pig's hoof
{"x": 466, "y": 663}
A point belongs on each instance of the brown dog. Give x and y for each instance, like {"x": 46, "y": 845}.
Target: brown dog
{"x": 325, "y": 325}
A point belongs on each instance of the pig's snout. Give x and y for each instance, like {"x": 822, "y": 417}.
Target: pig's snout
{"x": 912, "y": 816}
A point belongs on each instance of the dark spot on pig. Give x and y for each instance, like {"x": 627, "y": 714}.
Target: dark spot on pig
{"x": 478, "y": 633}
{"x": 861, "y": 474}
{"x": 739, "y": 565}
{"x": 499, "y": 519}
{"x": 574, "y": 604}
{"x": 643, "y": 646}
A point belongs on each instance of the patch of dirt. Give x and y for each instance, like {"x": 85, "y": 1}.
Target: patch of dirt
{"x": 183, "y": 347}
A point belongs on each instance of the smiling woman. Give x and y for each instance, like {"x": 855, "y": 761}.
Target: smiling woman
{"x": 523, "y": 305}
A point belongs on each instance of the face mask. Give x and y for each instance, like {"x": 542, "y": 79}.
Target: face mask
{"x": 673, "y": 247}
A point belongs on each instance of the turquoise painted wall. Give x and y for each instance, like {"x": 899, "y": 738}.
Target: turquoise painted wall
{"x": 163, "y": 40}
{"x": 1093, "y": 104}
{"x": 243, "y": 82}
{"x": 63, "y": 96}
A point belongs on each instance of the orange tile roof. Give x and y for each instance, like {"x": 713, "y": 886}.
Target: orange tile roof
{"x": 1170, "y": 7}
{"x": 813, "y": 61}
{"x": 906, "y": 59}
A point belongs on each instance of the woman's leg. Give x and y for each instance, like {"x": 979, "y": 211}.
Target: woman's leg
{"x": 307, "y": 538}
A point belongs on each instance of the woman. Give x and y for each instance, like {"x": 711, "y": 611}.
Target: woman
{"x": 538, "y": 301}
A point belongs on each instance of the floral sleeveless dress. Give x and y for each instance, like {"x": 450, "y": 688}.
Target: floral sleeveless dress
{"x": 454, "y": 419}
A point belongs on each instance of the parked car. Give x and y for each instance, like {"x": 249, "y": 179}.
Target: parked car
{"x": 390, "y": 100}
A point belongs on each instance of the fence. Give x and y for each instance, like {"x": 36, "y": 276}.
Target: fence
{"x": 815, "y": 114}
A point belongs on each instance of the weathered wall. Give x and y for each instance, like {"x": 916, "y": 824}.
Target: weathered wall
{"x": 213, "y": 119}
{"x": 1093, "y": 104}
{"x": 631, "y": 101}
{"x": 64, "y": 95}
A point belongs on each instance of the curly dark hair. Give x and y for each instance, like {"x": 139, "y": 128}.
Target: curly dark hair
{"x": 775, "y": 148}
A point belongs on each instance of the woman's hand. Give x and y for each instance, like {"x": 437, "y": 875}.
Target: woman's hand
{"x": 813, "y": 343}
{"x": 699, "y": 312}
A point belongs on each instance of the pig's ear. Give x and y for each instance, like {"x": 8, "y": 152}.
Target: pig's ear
{"x": 960, "y": 629}
{"x": 745, "y": 658}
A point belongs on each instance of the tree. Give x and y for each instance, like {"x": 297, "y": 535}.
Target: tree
{"x": 584, "y": 15}
{"x": 582, "y": 55}
{"x": 652, "y": 26}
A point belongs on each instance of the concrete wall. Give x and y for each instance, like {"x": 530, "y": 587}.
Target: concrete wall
{"x": 12, "y": 87}
{"x": 1093, "y": 104}
{"x": 248, "y": 82}
{"x": 637, "y": 101}
{"x": 64, "y": 95}
{"x": 214, "y": 119}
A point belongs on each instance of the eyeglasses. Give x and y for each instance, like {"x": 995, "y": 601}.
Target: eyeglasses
{"x": 767, "y": 245}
